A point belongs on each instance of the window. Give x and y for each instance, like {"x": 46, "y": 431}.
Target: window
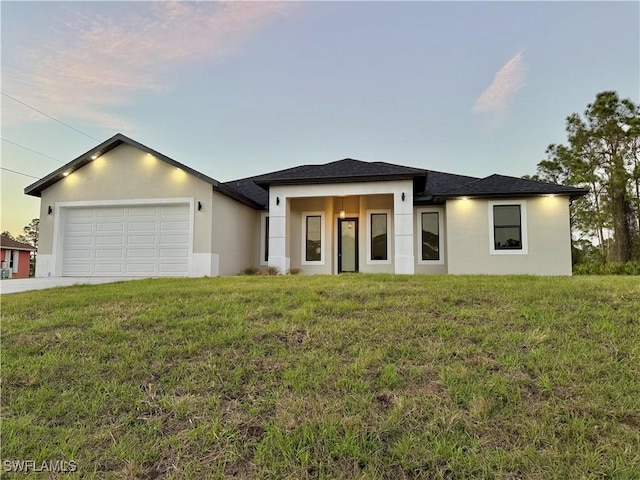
{"x": 378, "y": 237}
{"x": 508, "y": 227}
{"x": 313, "y": 238}
{"x": 430, "y": 236}
{"x": 266, "y": 239}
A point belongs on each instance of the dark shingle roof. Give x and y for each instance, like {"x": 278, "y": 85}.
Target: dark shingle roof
{"x": 338, "y": 171}
{"x": 10, "y": 243}
{"x": 248, "y": 188}
{"x": 501, "y": 185}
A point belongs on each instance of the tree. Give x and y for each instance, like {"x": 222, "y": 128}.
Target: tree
{"x": 31, "y": 233}
{"x": 602, "y": 154}
{"x": 8, "y": 234}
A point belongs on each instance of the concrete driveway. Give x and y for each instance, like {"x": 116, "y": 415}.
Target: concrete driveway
{"x": 26, "y": 284}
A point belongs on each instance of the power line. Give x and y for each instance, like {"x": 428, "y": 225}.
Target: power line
{"x": 30, "y": 149}
{"x": 48, "y": 116}
{"x": 19, "y": 173}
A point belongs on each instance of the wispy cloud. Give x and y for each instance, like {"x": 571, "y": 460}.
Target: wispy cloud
{"x": 92, "y": 64}
{"x": 508, "y": 80}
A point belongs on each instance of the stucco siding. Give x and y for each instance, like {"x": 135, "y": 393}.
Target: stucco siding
{"x": 126, "y": 173}
{"x": 547, "y": 230}
{"x": 234, "y": 231}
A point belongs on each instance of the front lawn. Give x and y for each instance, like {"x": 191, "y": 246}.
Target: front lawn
{"x": 353, "y": 376}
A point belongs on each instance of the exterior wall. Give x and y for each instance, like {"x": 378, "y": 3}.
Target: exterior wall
{"x": 548, "y": 232}
{"x": 234, "y": 231}
{"x": 126, "y": 173}
{"x": 23, "y": 258}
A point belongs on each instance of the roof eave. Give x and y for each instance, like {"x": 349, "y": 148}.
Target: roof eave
{"x": 323, "y": 180}
{"x": 563, "y": 193}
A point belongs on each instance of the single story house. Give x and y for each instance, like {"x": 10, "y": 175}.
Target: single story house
{"x": 124, "y": 209}
{"x": 15, "y": 257}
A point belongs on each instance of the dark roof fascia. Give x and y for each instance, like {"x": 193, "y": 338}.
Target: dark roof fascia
{"x": 229, "y": 192}
{"x": 323, "y": 180}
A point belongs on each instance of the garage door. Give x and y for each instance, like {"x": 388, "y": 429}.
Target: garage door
{"x": 126, "y": 241}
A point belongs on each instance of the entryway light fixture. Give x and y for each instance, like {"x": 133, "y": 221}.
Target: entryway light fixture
{"x": 49, "y": 210}
{"x": 342, "y": 212}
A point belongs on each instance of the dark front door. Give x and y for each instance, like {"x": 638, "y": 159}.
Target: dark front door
{"x": 347, "y": 245}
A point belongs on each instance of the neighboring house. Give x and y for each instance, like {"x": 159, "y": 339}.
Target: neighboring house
{"x": 125, "y": 209}
{"x": 15, "y": 257}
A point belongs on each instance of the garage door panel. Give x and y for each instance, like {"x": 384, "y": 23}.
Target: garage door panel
{"x": 136, "y": 253}
{"x": 109, "y": 227}
{"x": 109, "y": 240}
{"x": 173, "y": 252}
{"x": 173, "y": 239}
{"x": 136, "y": 241}
{"x": 138, "y": 226}
{"x": 82, "y": 253}
{"x": 108, "y": 268}
{"x": 82, "y": 227}
{"x": 103, "y": 253}
{"x": 110, "y": 212}
{"x": 79, "y": 240}
{"x": 147, "y": 240}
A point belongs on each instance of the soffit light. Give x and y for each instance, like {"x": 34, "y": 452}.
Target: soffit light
{"x": 66, "y": 174}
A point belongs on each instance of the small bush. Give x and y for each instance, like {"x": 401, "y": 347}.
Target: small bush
{"x": 272, "y": 271}
{"x": 251, "y": 271}
{"x": 294, "y": 271}
{"x": 613, "y": 268}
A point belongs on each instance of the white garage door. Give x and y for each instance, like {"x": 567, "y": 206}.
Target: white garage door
{"x": 126, "y": 241}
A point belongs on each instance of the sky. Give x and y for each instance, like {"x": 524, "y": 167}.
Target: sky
{"x": 235, "y": 89}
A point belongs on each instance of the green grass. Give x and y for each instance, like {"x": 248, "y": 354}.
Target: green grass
{"x": 352, "y": 376}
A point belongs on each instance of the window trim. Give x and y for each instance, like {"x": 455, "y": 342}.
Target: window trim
{"x": 440, "y": 212}
{"x": 323, "y": 239}
{"x": 369, "y": 225}
{"x": 523, "y": 228}
{"x": 264, "y": 239}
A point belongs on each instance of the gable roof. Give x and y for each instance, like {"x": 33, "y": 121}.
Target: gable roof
{"x": 11, "y": 244}
{"x": 502, "y": 185}
{"x": 36, "y": 188}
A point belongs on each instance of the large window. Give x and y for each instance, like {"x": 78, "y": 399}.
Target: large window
{"x": 313, "y": 238}
{"x": 430, "y": 235}
{"x": 379, "y": 236}
{"x": 508, "y": 227}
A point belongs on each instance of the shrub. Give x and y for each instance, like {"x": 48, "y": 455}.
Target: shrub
{"x": 612, "y": 268}
{"x": 294, "y": 271}
{"x": 272, "y": 271}
{"x": 251, "y": 271}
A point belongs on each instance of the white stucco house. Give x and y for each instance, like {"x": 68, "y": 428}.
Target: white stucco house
{"x": 124, "y": 209}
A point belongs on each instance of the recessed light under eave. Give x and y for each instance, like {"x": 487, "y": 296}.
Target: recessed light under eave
{"x": 66, "y": 174}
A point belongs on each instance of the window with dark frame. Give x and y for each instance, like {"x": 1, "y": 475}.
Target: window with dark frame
{"x": 430, "y": 236}
{"x": 266, "y": 238}
{"x": 379, "y": 237}
{"x": 507, "y": 227}
{"x": 313, "y": 239}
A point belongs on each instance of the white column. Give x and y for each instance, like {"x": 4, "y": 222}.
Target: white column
{"x": 278, "y": 231}
{"x": 403, "y": 231}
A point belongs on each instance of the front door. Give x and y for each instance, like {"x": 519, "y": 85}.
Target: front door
{"x": 347, "y": 245}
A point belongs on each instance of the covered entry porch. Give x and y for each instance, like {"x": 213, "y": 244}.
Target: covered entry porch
{"x": 342, "y": 227}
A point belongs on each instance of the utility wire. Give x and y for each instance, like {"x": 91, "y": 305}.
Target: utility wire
{"x": 30, "y": 149}
{"x": 48, "y": 116}
{"x": 19, "y": 173}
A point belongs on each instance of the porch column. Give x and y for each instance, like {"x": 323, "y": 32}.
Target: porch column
{"x": 278, "y": 232}
{"x": 403, "y": 231}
